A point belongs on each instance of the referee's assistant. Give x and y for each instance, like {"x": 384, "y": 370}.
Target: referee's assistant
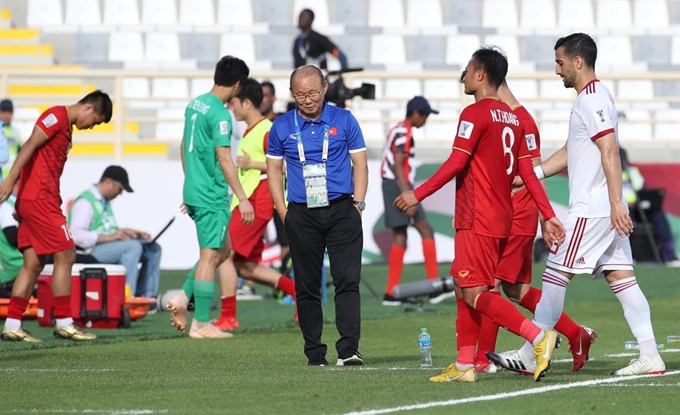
{"x": 327, "y": 174}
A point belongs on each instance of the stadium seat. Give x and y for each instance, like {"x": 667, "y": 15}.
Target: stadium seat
{"x": 89, "y": 48}
{"x": 355, "y": 47}
{"x": 159, "y": 12}
{"x": 162, "y": 47}
{"x": 634, "y": 131}
{"x": 83, "y": 12}
{"x": 402, "y": 88}
{"x": 388, "y": 50}
{"x": 197, "y": 12}
{"x": 121, "y": 12}
{"x": 635, "y": 89}
{"x": 277, "y": 50}
{"x": 463, "y": 13}
{"x": 319, "y": 7}
{"x": 235, "y": 13}
{"x": 499, "y": 14}
{"x": 441, "y": 88}
{"x": 675, "y": 49}
{"x": 554, "y": 131}
{"x": 169, "y": 88}
{"x": 373, "y": 129}
{"x": 171, "y": 129}
{"x": 650, "y": 13}
{"x": 427, "y": 49}
{"x": 44, "y": 13}
{"x": 508, "y": 43}
{"x": 667, "y": 89}
{"x": 200, "y": 86}
{"x": 5, "y": 18}
{"x": 652, "y": 49}
{"x": 349, "y": 13}
{"x": 538, "y": 13}
{"x": 459, "y": 49}
{"x": 238, "y": 44}
{"x": 675, "y": 15}
{"x": 665, "y": 128}
{"x": 276, "y": 12}
{"x": 614, "y": 13}
{"x": 554, "y": 88}
{"x": 424, "y": 13}
{"x": 614, "y": 50}
{"x": 524, "y": 88}
{"x": 575, "y": 14}
{"x": 201, "y": 47}
{"x": 443, "y": 131}
{"x": 126, "y": 47}
{"x": 539, "y": 49}
{"x": 386, "y": 13}
{"x": 136, "y": 88}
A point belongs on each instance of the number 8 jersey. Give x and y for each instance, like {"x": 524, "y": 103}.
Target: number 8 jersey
{"x": 493, "y": 136}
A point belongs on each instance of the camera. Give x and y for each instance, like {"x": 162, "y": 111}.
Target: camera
{"x": 338, "y": 93}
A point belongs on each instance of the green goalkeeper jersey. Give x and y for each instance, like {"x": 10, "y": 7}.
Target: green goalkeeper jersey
{"x": 207, "y": 125}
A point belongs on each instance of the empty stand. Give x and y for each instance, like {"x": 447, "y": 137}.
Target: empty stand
{"x": 274, "y": 11}
{"x": 201, "y": 47}
{"x": 83, "y": 12}
{"x": 538, "y": 13}
{"x": 162, "y": 47}
{"x": 652, "y": 49}
{"x": 614, "y": 50}
{"x": 386, "y": 13}
{"x": 402, "y": 88}
{"x": 614, "y": 13}
{"x": 424, "y": 13}
{"x": 650, "y": 13}
{"x": 575, "y": 14}
{"x": 238, "y": 44}
{"x": 463, "y": 13}
{"x": 90, "y": 48}
{"x": 44, "y": 13}
{"x": 388, "y": 49}
{"x": 159, "y": 12}
{"x": 277, "y": 49}
{"x": 126, "y": 47}
{"x": 198, "y": 12}
{"x": 459, "y": 49}
{"x": 121, "y": 12}
{"x": 429, "y": 50}
{"x": 499, "y": 14}
{"x": 508, "y": 43}
{"x": 355, "y": 47}
{"x": 349, "y": 13}
{"x": 235, "y": 13}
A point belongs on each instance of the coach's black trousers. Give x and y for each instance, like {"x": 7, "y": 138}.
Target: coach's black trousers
{"x": 310, "y": 231}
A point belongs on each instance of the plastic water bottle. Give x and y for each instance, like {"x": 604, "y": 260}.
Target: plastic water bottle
{"x": 633, "y": 345}
{"x": 425, "y": 345}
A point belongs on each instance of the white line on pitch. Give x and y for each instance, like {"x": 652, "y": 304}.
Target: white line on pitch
{"x": 532, "y": 391}
{"x": 18, "y": 369}
{"x": 93, "y": 411}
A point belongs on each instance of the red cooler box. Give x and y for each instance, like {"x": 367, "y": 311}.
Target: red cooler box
{"x": 97, "y": 296}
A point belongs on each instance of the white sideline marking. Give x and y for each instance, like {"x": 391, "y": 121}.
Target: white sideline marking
{"x": 93, "y": 411}
{"x": 17, "y": 369}
{"x": 626, "y": 354}
{"x": 497, "y": 396}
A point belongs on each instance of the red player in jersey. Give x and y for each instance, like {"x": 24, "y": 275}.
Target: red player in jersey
{"x": 42, "y": 225}
{"x": 488, "y": 151}
{"x": 514, "y": 268}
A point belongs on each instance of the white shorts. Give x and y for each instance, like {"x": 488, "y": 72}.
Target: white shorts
{"x": 591, "y": 247}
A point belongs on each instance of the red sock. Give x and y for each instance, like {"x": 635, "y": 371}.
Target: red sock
{"x": 506, "y": 315}
{"x": 396, "y": 265}
{"x": 487, "y": 336}
{"x": 16, "y": 308}
{"x": 430, "y": 254}
{"x": 228, "y": 307}
{"x": 467, "y": 331}
{"x": 62, "y": 306}
{"x": 286, "y": 285}
{"x": 564, "y": 325}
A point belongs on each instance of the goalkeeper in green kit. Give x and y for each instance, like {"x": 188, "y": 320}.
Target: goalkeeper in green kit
{"x": 208, "y": 168}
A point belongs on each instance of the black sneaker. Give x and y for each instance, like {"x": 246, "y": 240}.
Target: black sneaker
{"x": 388, "y": 300}
{"x": 353, "y": 360}
{"x": 318, "y": 360}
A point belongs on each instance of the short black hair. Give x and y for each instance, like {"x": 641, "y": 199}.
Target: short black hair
{"x": 579, "y": 44}
{"x": 252, "y": 91}
{"x": 230, "y": 70}
{"x": 101, "y": 103}
{"x": 295, "y": 71}
{"x": 311, "y": 13}
{"x": 269, "y": 85}
{"x": 494, "y": 63}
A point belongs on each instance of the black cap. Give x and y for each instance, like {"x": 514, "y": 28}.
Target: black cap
{"x": 6, "y": 105}
{"x": 421, "y": 105}
{"x": 118, "y": 174}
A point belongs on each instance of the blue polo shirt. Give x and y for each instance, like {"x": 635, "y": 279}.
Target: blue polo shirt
{"x": 344, "y": 137}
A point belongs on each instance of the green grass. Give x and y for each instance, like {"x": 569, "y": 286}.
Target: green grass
{"x": 263, "y": 370}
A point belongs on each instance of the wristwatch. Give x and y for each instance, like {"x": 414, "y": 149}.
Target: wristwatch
{"x": 360, "y": 204}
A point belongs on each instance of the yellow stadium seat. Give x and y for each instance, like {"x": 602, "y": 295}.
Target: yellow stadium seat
{"x": 26, "y": 49}
{"x": 19, "y": 35}
{"x": 98, "y": 149}
{"x": 58, "y": 89}
{"x": 5, "y": 15}
{"x": 128, "y": 128}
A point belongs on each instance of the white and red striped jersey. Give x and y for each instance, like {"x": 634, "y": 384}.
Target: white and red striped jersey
{"x": 399, "y": 140}
{"x": 593, "y": 116}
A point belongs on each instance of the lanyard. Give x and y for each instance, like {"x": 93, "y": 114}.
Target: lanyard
{"x": 301, "y": 149}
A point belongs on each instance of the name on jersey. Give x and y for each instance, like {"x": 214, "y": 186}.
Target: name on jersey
{"x": 199, "y": 106}
{"x": 504, "y": 117}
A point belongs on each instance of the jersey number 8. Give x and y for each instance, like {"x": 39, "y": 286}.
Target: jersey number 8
{"x": 507, "y": 147}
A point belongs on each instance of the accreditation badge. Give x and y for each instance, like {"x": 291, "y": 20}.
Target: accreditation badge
{"x": 315, "y": 185}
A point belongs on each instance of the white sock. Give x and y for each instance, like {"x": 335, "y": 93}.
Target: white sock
{"x": 549, "y": 308}
{"x": 12, "y": 324}
{"x": 527, "y": 352}
{"x": 64, "y": 322}
{"x": 463, "y": 367}
{"x": 538, "y": 338}
{"x": 637, "y": 313}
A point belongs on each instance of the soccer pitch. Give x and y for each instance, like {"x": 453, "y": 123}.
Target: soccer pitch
{"x": 151, "y": 368}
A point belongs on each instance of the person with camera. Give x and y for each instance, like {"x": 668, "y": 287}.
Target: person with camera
{"x": 310, "y": 47}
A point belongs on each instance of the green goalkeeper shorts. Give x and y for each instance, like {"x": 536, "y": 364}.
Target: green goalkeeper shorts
{"x": 211, "y": 225}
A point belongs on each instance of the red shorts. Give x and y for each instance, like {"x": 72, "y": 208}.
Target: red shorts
{"x": 247, "y": 240}
{"x": 516, "y": 261}
{"x": 43, "y": 227}
{"x": 476, "y": 259}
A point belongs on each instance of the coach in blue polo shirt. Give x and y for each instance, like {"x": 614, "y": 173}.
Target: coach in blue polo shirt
{"x": 327, "y": 175}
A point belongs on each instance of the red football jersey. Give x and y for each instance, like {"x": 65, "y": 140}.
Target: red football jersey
{"x": 492, "y": 135}
{"x": 40, "y": 176}
{"x": 525, "y": 218}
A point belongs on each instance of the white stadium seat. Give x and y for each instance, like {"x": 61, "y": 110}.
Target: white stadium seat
{"x": 385, "y": 13}
{"x": 549, "y": 88}
{"x": 121, "y": 12}
{"x": 441, "y": 88}
{"x": 554, "y": 131}
{"x": 196, "y": 12}
{"x": 575, "y": 13}
{"x": 136, "y": 88}
{"x": 170, "y": 88}
{"x": 83, "y": 12}
{"x": 650, "y": 13}
{"x": 319, "y": 7}
{"x": 635, "y": 89}
{"x": 665, "y": 129}
{"x": 538, "y": 13}
{"x": 126, "y": 47}
{"x": 444, "y": 131}
{"x": 235, "y": 13}
{"x": 162, "y": 47}
{"x": 170, "y": 130}
{"x": 159, "y": 12}
{"x": 373, "y": 129}
{"x": 200, "y": 86}
{"x": 614, "y": 13}
{"x": 388, "y": 50}
{"x": 508, "y": 43}
{"x": 675, "y": 50}
{"x": 424, "y": 13}
{"x": 238, "y": 44}
{"x": 459, "y": 49}
{"x": 403, "y": 88}
{"x": 44, "y": 13}
{"x": 523, "y": 88}
{"x": 499, "y": 14}
{"x": 614, "y": 50}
